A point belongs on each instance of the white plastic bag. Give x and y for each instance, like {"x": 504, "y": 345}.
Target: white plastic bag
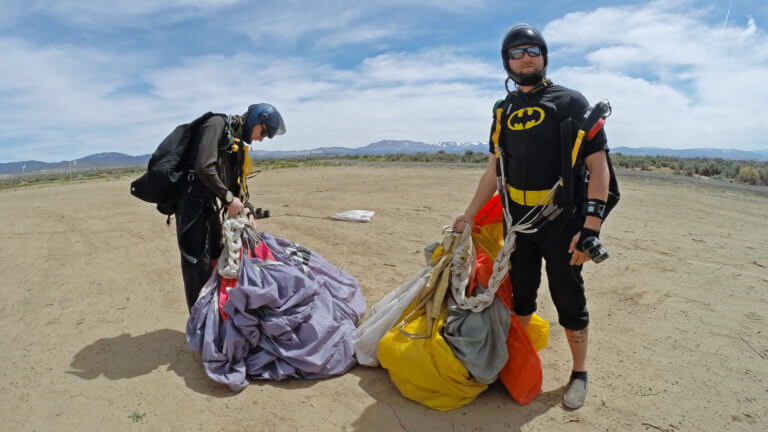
{"x": 354, "y": 215}
{"x": 384, "y": 315}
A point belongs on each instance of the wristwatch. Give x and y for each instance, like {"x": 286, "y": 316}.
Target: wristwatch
{"x": 229, "y": 197}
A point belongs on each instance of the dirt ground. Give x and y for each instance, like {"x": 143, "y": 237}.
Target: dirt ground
{"x": 93, "y": 311}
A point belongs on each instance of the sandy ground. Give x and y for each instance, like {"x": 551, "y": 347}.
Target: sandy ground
{"x": 93, "y": 311}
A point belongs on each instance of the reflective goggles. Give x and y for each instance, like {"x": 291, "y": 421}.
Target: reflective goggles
{"x": 518, "y": 53}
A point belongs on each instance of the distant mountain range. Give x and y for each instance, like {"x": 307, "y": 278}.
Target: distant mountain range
{"x": 377, "y": 148}
{"x": 94, "y": 161}
{"x": 120, "y": 160}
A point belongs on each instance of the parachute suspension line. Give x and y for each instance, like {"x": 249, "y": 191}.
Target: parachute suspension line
{"x": 464, "y": 256}
{"x": 232, "y": 229}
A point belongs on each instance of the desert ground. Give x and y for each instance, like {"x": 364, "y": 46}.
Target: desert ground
{"x": 93, "y": 311}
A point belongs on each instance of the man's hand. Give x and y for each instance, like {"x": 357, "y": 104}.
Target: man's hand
{"x": 461, "y": 222}
{"x": 235, "y": 207}
{"x": 485, "y": 190}
{"x": 578, "y": 257}
{"x": 252, "y": 219}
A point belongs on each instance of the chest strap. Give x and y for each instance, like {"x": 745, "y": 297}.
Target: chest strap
{"x": 530, "y": 197}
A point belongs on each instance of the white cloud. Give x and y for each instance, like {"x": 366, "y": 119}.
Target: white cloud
{"x": 328, "y": 25}
{"x": 56, "y": 94}
{"x": 433, "y": 65}
{"x": 74, "y": 97}
{"x": 384, "y": 97}
{"x": 119, "y": 13}
{"x": 674, "y": 80}
{"x": 357, "y": 36}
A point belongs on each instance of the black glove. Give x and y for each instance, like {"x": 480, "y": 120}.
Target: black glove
{"x": 585, "y": 234}
{"x": 249, "y": 206}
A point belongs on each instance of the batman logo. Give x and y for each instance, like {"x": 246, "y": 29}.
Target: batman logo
{"x": 525, "y": 118}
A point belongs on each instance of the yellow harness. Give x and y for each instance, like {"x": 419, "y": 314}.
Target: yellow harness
{"x": 247, "y": 166}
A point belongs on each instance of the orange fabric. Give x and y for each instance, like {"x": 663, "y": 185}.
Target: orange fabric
{"x": 486, "y": 225}
{"x": 490, "y": 213}
{"x": 522, "y": 375}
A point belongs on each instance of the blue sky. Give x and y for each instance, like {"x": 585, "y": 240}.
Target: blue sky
{"x": 82, "y": 77}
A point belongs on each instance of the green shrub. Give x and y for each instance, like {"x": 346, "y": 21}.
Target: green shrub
{"x": 748, "y": 175}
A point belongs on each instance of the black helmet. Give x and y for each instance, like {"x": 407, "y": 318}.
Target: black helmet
{"x": 523, "y": 34}
{"x": 265, "y": 114}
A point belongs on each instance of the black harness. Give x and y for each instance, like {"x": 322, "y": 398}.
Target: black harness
{"x": 571, "y": 193}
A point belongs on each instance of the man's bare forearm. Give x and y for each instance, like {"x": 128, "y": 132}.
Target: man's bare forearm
{"x": 486, "y": 187}
{"x": 599, "y": 179}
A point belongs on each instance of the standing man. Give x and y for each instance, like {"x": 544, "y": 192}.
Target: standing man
{"x": 527, "y": 128}
{"x": 217, "y": 174}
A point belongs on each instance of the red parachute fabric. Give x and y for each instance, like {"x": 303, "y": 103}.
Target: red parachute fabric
{"x": 522, "y": 375}
{"x": 262, "y": 252}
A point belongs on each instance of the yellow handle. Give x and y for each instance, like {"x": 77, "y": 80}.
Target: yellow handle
{"x": 576, "y": 146}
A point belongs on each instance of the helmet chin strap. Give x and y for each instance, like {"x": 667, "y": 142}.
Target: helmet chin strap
{"x": 524, "y": 80}
{"x": 530, "y": 79}
{"x": 506, "y": 85}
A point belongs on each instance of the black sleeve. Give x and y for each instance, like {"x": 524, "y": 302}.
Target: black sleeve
{"x": 208, "y": 155}
{"x": 578, "y": 107}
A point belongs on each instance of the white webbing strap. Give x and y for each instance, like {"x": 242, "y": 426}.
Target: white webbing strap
{"x": 232, "y": 228}
{"x": 463, "y": 263}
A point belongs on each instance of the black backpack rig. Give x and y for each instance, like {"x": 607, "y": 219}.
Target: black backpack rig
{"x": 168, "y": 170}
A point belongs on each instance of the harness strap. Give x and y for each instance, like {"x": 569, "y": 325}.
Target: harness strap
{"x": 497, "y": 132}
{"x": 246, "y": 171}
{"x": 233, "y": 146}
{"x": 565, "y": 194}
{"x": 530, "y": 197}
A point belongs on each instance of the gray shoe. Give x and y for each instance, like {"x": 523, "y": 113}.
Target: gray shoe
{"x": 576, "y": 393}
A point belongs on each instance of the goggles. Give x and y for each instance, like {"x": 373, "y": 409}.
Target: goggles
{"x": 518, "y": 53}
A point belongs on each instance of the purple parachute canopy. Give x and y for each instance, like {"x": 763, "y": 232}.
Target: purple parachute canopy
{"x": 291, "y": 317}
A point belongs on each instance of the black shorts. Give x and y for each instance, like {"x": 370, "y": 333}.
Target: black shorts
{"x": 566, "y": 285}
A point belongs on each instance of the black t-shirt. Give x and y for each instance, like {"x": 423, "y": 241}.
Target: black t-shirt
{"x": 530, "y": 135}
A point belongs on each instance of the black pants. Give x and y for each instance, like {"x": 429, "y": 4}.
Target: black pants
{"x": 566, "y": 285}
{"x": 198, "y": 231}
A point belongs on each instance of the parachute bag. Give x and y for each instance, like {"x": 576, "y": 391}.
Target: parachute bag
{"x": 425, "y": 370}
{"x": 420, "y": 362}
{"x": 166, "y": 175}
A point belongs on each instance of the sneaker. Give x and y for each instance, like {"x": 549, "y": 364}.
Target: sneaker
{"x": 576, "y": 392}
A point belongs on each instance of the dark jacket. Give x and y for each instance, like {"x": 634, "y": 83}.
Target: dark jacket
{"x": 218, "y": 170}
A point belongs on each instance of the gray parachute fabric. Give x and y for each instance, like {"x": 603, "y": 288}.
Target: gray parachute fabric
{"x": 479, "y": 339}
{"x": 295, "y": 317}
